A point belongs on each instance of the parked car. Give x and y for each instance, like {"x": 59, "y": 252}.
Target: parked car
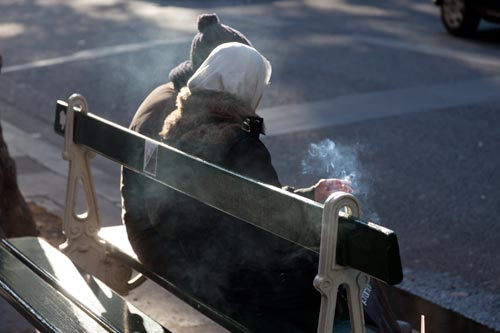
{"x": 461, "y": 17}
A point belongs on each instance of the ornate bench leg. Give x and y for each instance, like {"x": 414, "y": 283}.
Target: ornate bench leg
{"x": 330, "y": 275}
{"x": 82, "y": 244}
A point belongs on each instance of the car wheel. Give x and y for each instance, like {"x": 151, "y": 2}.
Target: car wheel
{"x": 459, "y": 17}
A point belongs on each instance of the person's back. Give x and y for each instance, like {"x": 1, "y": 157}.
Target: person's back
{"x": 250, "y": 274}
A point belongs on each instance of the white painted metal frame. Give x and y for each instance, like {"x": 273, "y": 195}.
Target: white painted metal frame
{"x": 331, "y": 275}
{"x": 82, "y": 245}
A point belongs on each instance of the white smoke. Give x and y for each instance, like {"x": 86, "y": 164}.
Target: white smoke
{"x": 326, "y": 159}
{"x": 331, "y": 161}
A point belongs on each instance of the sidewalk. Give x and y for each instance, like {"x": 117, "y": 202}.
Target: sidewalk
{"x": 41, "y": 173}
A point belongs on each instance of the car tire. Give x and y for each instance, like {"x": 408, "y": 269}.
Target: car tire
{"x": 459, "y": 17}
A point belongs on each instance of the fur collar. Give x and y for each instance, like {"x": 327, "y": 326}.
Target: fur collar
{"x": 204, "y": 117}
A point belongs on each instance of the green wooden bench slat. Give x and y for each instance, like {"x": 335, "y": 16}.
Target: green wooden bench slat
{"x": 369, "y": 248}
{"x": 280, "y": 212}
{"x": 92, "y": 295}
{"x": 47, "y": 309}
{"x": 373, "y": 250}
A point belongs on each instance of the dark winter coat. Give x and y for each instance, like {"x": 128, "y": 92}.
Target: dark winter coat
{"x": 200, "y": 245}
{"x": 229, "y": 264}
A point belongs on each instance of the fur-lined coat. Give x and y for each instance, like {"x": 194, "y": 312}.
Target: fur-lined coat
{"x": 211, "y": 125}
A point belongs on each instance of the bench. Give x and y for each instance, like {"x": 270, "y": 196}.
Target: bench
{"x": 349, "y": 249}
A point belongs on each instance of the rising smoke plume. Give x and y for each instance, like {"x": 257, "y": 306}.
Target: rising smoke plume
{"x": 326, "y": 159}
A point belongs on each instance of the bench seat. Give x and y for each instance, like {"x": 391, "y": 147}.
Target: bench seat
{"x": 45, "y": 286}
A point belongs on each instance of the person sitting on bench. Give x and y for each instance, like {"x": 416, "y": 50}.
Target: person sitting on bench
{"x": 245, "y": 272}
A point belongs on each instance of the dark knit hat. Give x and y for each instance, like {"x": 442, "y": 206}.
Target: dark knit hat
{"x": 211, "y": 33}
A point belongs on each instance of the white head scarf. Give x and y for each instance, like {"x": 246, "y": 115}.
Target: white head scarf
{"x": 234, "y": 68}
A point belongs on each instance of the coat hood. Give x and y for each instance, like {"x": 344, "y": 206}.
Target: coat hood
{"x": 204, "y": 117}
{"x": 234, "y": 68}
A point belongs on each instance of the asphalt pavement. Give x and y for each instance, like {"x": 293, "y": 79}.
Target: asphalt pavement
{"x": 378, "y": 93}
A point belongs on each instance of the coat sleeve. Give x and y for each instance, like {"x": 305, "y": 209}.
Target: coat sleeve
{"x": 251, "y": 158}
